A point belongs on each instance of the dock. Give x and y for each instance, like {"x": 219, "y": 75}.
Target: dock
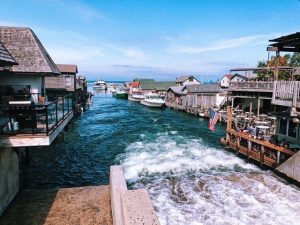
{"x": 111, "y": 204}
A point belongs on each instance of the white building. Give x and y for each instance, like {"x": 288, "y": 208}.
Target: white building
{"x": 186, "y": 80}
{"x": 231, "y": 78}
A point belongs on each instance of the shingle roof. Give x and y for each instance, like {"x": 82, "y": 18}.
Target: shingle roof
{"x": 204, "y": 88}
{"x": 157, "y": 85}
{"x": 177, "y": 90}
{"x": 67, "y": 68}
{"x": 6, "y": 58}
{"x": 182, "y": 79}
{"x": 27, "y": 50}
{"x": 229, "y": 76}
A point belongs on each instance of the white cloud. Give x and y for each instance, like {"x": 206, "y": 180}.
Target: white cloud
{"x": 132, "y": 52}
{"x": 223, "y": 44}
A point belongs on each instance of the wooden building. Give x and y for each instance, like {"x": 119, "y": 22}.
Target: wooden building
{"x": 174, "y": 97}
{"x": 28, "y": 116}
{"x": 24, "y": 101}
{"x": 204, "y": 96}
{"x": 151, "y": 86}
{"x": 231, "y": 78}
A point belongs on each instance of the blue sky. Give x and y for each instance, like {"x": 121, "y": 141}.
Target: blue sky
{"x": 162, "y": 39}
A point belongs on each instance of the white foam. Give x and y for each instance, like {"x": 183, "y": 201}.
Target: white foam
{"x": 192, "y": 183}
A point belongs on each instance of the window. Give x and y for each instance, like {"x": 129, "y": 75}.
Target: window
{"x": 282, "y": 126}
{"x": 292, "y": 132}
{"x": 191, "y": 79}
{"x": 68, "y": 81}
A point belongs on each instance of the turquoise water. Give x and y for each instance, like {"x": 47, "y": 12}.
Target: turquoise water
{"x": 190, "y": 177}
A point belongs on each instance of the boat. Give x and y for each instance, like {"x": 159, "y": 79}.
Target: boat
{"x": 153, "y": 100}
{"x": 100, "y": 85}
{"x": 121, "y": 94}
{"x": 136, "y": 97}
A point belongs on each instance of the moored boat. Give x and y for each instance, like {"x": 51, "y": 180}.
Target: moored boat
{"x": 153, "y": 100}
{"x": 136, "y": 97}
{"x": 100, "y": 85}
{"x": 121, "y": 94}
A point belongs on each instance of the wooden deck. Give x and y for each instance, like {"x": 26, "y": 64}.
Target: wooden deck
{"x": 259, "y": 154}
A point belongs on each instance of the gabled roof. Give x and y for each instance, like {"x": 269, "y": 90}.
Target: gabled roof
{"x": 229, "y": 76}
{"x": 6, "y": 58}
{"x": 67, "y": 68}
{"x": 177, "y": 89}
{"x": 184, "y": 78}
{"x": 157, "y": 85}
{"x": 238, "y": 75}
{"x": 204, "y": 88}
{"x": 28, "y": 51}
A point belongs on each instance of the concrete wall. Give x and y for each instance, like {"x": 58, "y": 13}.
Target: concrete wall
{"x": 9, "y": 177}
{"x": 291, "y": 167}
{"x": 129, "y": 207}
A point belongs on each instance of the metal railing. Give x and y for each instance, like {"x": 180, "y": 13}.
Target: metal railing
{"x": 35, "y": 118}
{"x": 252, "y": 85}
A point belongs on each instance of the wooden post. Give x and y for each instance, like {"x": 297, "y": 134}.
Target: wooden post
{"x": 238, "y": 145}
{"x": 278, "y": 158}
{"x": 262, "y": 151}
{"x": 229, "y": 120}
{"x": 276, "y": 72}
{"x": 258, "y": 106}
{"x": 250, "y": 108}
{"x": 249, "y": 148}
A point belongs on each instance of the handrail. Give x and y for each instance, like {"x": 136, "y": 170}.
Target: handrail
{"x": 37, "y": 118}
{"x": 262, "y": 85}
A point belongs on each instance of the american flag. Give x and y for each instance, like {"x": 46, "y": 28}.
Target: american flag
{"x": 213, "y": 118}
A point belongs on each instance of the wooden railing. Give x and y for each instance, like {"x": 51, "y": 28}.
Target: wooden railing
{"x": 286, "y": 93}
{"x": 265, "y": 86}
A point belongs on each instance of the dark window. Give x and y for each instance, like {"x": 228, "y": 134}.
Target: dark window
{"x": 292, "y": 129}
{"x": 191, "y": 79}
{"x": 282, "y": 126}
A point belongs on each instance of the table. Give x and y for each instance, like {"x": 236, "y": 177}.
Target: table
{"x": 262, "y": 127}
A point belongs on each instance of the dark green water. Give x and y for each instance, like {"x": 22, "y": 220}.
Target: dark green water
{"x": 190, "y": 177}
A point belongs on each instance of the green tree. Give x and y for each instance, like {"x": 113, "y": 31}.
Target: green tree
{"x": 295, "y": 59}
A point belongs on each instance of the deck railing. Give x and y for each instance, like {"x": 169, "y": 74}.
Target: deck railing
{"x": 286, "y": 93}
{"x": 27, "y": 117}
{"x": 251, "y": 86}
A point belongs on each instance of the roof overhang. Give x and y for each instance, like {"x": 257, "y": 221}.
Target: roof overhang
{"x": 288, "y": 43}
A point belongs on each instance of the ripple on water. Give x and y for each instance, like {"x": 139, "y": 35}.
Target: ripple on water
{"x": 192, "y": 183}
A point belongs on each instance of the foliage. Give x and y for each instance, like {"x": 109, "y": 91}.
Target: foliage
{"x": 286, "y": 60}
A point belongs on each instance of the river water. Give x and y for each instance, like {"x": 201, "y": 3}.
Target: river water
{"x": 190, "y": 177}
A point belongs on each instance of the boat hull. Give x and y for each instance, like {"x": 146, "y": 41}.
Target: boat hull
{"x": 131, "y": 98}
{"x": 99, "y": 87}
{"x": 121, "y": 95}
{"x": 152, "y": 104}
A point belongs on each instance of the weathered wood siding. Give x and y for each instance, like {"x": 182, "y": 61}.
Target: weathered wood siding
{"x": 61, "y": 82}
{"x": 286, "y": 93}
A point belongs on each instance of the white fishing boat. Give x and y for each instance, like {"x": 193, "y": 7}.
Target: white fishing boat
{"x": 153, "y": 100}
{"x": 136, "y": 97}
{"x": 100, "y": 85}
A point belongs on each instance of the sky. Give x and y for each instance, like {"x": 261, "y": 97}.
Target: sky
{"x": 160, "y": 39}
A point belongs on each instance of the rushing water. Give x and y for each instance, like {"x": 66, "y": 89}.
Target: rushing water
{"x": 190, "y": 177}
